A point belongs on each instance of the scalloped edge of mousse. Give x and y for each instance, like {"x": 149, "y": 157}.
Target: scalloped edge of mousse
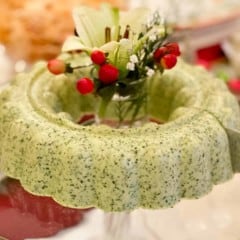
{"x": 152, "y": 166}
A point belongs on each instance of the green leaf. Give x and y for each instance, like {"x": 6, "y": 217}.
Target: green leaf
{"x": 106, "y": 94}
{"x": 122, "y": 56}
{"x": 159, "y": 31}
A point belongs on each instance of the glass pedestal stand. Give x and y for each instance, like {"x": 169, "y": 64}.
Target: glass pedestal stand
{"x": 137, "y": 225}
{"x": 118, "y": 226}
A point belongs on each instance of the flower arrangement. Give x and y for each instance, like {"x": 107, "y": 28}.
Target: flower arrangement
{"x": 124, "y": 51}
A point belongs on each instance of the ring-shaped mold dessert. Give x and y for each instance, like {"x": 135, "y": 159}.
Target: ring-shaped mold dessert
{"x": 152, "y": 166}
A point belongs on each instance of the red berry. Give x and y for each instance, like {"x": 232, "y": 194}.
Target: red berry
{"x": 108, "y": 74}
{"x": 85, "y": 85}
{"x": 173, "y": 48}
{"x": 168, "y": 61}
{"x": 159, "y": 53}
{"x": 234, "y": 85}
{"x": 98, "y": 57}
{"x": 56, "y": 66}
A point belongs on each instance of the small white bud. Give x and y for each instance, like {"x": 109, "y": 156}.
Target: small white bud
{"x": 152, "y": 38}
{"x": 150, "y": 72}
{"x": 134, "y": 59}
{"x": 130, "y": 66}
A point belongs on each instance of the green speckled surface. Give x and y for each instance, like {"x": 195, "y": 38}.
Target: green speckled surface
{"x": 152, "y": 166}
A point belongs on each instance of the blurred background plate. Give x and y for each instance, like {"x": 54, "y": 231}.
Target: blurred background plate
{"x": 206, "y": 34}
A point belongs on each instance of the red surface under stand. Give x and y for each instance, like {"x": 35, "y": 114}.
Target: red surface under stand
{"x": 23, "y": 215}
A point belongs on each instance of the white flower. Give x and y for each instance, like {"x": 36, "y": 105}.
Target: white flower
{"x": 150, "y": 20}
{"x": 117, "y": 97}
{"x": 150, "y": 72}
{"x": 130, "y": 66}
{"x": 134, "y": 58}
{"x": 152, "y": 38}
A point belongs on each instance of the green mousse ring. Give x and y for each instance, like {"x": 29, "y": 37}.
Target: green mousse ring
{"x": 152, "y": 166}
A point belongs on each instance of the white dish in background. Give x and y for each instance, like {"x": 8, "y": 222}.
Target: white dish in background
{"x": 191, "y": 13}
{"x": 198, "y": 24}
{"x": 210, "y": 31}
{"x": 231, "y": 48}
{"x": 206, "y": 34}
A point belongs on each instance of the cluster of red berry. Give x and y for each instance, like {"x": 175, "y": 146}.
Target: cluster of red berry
{"x": 167, "y": 55}
{"x": 107, "y": 73}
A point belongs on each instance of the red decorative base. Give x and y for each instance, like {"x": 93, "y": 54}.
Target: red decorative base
{"x": 23, "y": 215}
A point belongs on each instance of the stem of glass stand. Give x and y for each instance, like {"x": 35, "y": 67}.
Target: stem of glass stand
{"x": 117, "y": 226}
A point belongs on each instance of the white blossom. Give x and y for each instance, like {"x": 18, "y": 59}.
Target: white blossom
{"x": 134, "y": 58}
{"x": 130, "y": 66}
{"x": 152, "y": 38}
{"x": 117, "y": 97}
{"x": 150, "y": 72}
